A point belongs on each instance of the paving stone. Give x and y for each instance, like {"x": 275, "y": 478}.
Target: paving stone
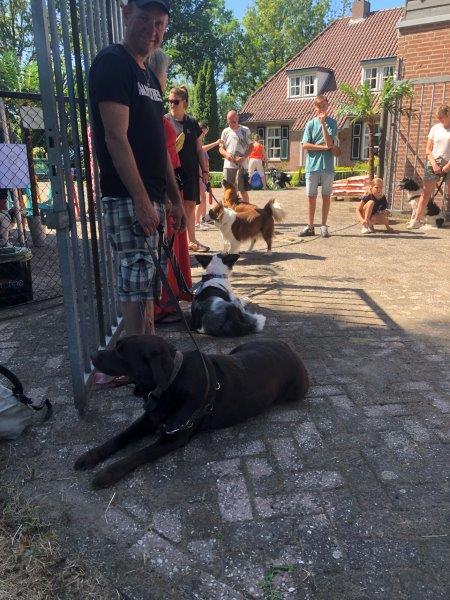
{"x": 233, "y": 498}
{"x": 379, "y": 555}
{"x": 349, "y": 487}
{"x": 320, "y": 548}
{"x": 420, "y": 585}
{"x": 295, "y": 504}
{"x": 307, "y": 436}
{"x": 286, "y": 454}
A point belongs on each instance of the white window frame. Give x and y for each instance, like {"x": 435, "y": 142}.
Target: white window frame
{"x": 356, "y": 135}
{"x": 280, "y": 134}
{"x": 302, "y": 86}
{"x": 273, "y": 133}
{"x": 365, "y": 140}
{"x": 376, "y": 75}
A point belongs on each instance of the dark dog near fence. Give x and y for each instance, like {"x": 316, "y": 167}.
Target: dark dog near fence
{"x": 242, "y": 384}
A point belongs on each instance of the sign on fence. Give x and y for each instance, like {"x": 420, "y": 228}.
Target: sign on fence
{"x": 14, "y": 171}
{"x": 32, "y": 117}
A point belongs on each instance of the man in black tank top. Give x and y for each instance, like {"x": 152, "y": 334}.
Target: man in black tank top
{"x": 135, "y": 173}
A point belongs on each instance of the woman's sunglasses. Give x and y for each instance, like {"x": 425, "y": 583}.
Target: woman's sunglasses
{"x": 175, "y": 102}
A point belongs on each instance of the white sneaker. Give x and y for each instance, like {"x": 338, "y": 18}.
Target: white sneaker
{"x": 414, "y": 224}
{"x": 324, "y": 231}
{"x": 365, "y": 230}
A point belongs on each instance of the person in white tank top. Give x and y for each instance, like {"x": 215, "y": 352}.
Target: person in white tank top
{"x": 437, "y": 164}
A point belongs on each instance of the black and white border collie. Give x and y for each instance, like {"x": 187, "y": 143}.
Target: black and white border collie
{"x": 414, "y": 191}
{"x": 215, "y": 309}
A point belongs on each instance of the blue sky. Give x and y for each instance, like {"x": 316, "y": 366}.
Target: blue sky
{"x": 239, "y": 6}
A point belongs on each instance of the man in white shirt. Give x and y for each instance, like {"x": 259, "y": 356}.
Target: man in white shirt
{"x": 235, "y": 148}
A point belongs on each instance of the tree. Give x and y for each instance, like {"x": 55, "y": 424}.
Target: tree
{"x": 200, "y": 30}
{"x": 362, "y": 105}
{"x": 274, "y": 31}
{"x": 16, "y": 29}
{"x": 206, "y": 105}
{"x": 15, "y": 76}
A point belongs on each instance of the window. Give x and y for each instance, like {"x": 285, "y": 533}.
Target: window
{"x": 365, "y": 141}
{"x": 278, "y": 143}
{"x": 371, "y": 77}
{"x": 388, "y": 72}
{"x": 309, "y": 85}
{"x": 360, "y": 141}
{"x": 377, "y": 75}
{"x": 261, "y": 131}
{"x": 274, "y": 142}
{"x": 302, "y": 86}
{"x": 295, "y": 87}
{"x": 356, "y": 142}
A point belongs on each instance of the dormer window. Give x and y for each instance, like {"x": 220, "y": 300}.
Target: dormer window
{"x": 302, "y": 86}
{"x": 375, "y": 74}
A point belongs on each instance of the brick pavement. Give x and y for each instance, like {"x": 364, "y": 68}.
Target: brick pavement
{"x": 348, "y": 491}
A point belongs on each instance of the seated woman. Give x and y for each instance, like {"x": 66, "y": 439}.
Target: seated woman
{"x": 372, "y": 210}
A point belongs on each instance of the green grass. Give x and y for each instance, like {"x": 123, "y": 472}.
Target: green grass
{"x": 267, "y": 585}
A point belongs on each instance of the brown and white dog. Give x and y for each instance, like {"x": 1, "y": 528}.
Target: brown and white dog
{"x": 238, "y": 227}
{"x": 231, "y": 199}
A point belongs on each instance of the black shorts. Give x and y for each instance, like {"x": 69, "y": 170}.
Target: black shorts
{"x": 190, "y": 186}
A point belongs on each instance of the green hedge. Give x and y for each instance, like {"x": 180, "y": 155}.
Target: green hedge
{"x": 216, "y": 179}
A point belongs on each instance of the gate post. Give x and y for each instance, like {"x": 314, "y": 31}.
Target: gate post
{"x": 60, "y": 215}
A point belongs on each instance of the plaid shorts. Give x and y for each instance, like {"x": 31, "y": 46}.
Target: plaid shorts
{"x": 429, "y": 174}
{"x": 135, "y": 268}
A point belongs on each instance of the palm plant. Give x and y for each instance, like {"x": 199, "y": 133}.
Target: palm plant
{"x": 362, "y": 105}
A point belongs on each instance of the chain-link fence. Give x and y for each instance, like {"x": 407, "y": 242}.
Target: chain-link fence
{"x": 29, "y": 268}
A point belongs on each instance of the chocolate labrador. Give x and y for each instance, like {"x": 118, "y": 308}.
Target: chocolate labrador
{"x": 191, "y": 392}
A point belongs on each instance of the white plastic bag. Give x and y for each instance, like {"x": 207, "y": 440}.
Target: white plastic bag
{"x": 16, "y": 409}
{"x": 14, "y": 415}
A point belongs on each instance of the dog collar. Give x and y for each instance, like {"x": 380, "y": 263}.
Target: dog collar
{"x": 149, "y": 403}
{"x": 414, "y": 197}
{"x": 206, "y": 278}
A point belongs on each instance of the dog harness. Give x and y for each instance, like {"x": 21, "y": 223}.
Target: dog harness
{"x": 201, "y": 285}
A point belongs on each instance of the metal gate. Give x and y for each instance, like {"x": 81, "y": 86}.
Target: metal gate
{"x": 407, "y": 137}
{"x": 68, "y": 34}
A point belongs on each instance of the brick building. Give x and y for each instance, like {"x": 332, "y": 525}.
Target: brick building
{"x": 424, "y": 58}
{"x": 362, "y": 47}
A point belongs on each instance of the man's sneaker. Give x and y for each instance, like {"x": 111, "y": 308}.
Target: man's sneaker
{"x": 365, "y": 230}
{"x": 308, "y": 231}
{"x": 414, "y": 224}
{"x": 324, "y": 231}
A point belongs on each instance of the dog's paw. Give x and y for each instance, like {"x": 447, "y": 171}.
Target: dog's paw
{"x": 245, "y": 301}
{"x": 260, "y": 322}
{"x": 104, "y": 479}
{"x": 88, "y": 460}
{"x": 268, "y": 253}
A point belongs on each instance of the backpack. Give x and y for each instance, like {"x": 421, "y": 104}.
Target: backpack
{"x": 256, "y": 181}
{"x": 16, "y": 409}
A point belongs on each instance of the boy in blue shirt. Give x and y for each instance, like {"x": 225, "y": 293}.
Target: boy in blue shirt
{"x": 318, "y": 141}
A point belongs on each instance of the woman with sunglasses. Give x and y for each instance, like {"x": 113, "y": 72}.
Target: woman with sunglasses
{"x": 166, "y": 312}
{"x": 191, "y": 156}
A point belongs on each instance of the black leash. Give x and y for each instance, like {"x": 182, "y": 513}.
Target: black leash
{"x": 18, "y": 392}
{"x": 206, "y": 406}
{"x": 438, "y": 189}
